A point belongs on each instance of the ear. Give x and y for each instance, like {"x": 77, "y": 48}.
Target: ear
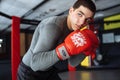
{"x": 71, "y": 10}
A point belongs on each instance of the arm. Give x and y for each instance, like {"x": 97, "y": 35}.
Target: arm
{"x": 43, "y": 53}
{"x": 75, "y": 61}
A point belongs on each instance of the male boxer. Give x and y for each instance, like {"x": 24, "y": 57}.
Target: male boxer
{"x": 57, "y": 39}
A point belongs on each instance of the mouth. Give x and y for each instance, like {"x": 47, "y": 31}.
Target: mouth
{"x": 78, "y": 27}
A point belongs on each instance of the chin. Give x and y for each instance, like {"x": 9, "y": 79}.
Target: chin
{"x": 75, "y": 29}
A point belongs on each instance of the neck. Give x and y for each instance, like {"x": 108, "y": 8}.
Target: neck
{"x": 68, "y": 23}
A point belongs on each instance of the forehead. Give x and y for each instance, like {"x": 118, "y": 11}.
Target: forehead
{"x": 87, "y": 12}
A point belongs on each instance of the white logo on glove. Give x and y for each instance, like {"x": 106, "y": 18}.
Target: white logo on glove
{"x": 78, "y": 39}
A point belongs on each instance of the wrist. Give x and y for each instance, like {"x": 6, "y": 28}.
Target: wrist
{"x": 61, "y": 52}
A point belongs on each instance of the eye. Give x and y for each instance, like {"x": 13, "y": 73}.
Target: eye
{"x": 80, "y": 14}
{"x": 89, "y": 20}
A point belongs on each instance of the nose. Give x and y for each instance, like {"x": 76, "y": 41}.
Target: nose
{"x": 81, "y": 21}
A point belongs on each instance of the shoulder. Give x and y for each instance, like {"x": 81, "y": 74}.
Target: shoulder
{"x": 54, "y": 21}
{"x": 52, "y": 25}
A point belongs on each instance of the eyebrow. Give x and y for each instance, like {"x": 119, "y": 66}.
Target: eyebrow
{"x": 81, "y": 12}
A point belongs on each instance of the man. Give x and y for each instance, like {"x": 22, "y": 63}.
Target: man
{"x": 59, "y": 38}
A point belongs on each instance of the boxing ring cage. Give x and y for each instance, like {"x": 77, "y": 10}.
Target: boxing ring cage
{"x": 15, "y": 43}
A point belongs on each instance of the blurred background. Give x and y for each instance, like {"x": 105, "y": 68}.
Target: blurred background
{"x": 31, "y": 12}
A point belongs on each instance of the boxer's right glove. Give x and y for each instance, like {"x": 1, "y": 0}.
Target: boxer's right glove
{"x": 95, "y": 43}
{"x": 75, "y": 43}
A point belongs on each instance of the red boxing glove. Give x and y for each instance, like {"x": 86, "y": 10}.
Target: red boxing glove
{"x": 75, "y": 43}
{"x": 95, "y": 43}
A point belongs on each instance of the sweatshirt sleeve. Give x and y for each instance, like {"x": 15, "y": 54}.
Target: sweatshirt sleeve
{"x": 76, "y": 60}
{"x": 42, "y": 54}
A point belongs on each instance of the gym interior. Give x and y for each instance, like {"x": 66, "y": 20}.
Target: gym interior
{"x": 14, "y": 42}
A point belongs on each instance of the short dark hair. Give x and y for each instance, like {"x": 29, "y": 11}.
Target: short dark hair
{"x": 87, "y": 3}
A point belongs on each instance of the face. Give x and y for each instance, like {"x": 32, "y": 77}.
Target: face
{"x": 79, "y": 17}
